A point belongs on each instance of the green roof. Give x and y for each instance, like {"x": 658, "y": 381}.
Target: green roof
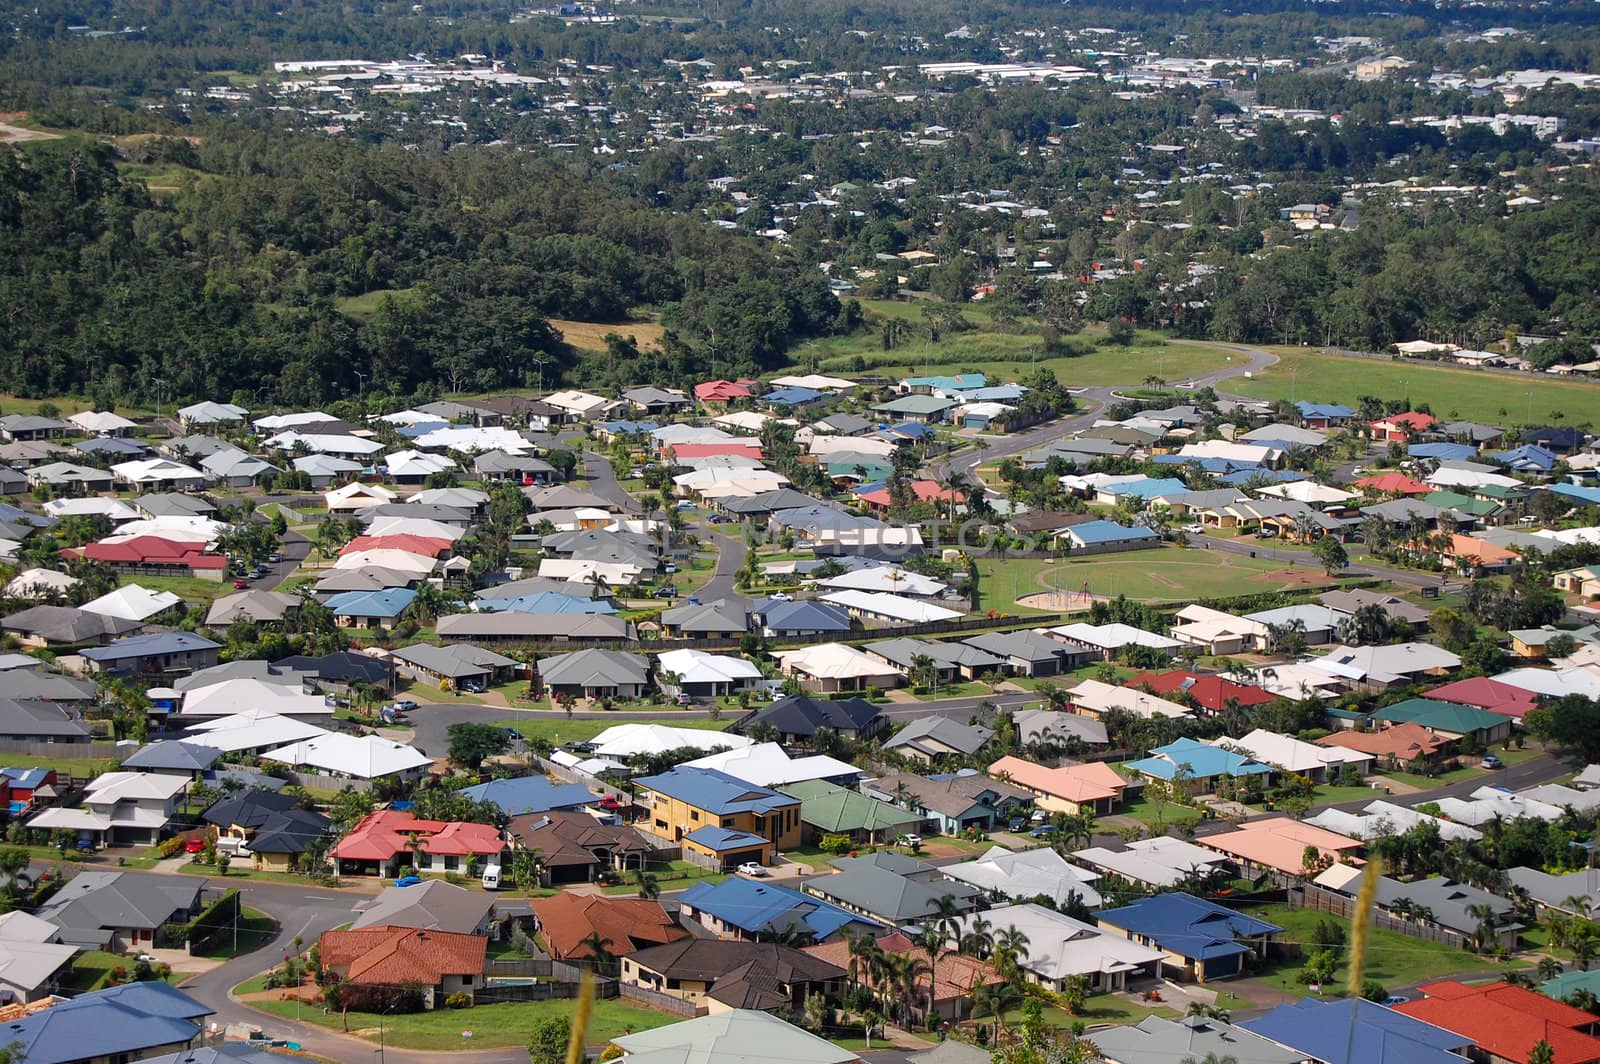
{"x": 1570, "y": 982}
{"x": 916, "y": 404}
{"x": 1499, "y": 491}
{"x": 1449, "y": 500}
{"x": 831, "y": 808}
{"x": 1441, "y": 716}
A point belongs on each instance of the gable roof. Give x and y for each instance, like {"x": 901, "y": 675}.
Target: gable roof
{"x": 730, "y": 1037}
{"x": 1188, "y": 926}
{"x": 802, "y": 715}
{"x": 715, "y": 792}
{"x": 1505, "y": 1021}
{"x": 531, "y": 794}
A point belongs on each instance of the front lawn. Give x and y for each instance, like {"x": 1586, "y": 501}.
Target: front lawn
{"x": 255, "y": 929}
{"x": 1164, "y": 814}
{"x": 1100, "y": 1009}
{"x": 482, "y": 1027}
{"x": 1470, "y": 771}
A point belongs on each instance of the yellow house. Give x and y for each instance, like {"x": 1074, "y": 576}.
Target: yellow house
{"x": 264, "y": 830}
{"x": 719, "y": 820}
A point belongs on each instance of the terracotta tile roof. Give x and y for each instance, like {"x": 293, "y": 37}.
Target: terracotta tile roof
{"x": 955, "y": 977}
{"x": 1506, "y": 1021}
{"x": 392, "y": 956}
{"x": 1093, "y": 781}
{"x": 1400, "y": 741}
{"x": 382, "y": 834}
{"x": 427, "y": 546}
{"x": 1209, "y": 690}
{"x": 630, "y": 923}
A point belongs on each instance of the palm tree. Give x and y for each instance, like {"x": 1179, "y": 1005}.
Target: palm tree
{"x": 932, "y": 943}
{"x": 599, "y": 586}
{"x": 1488, "y": 922}
{"x": 1583, "y": 947}
{"x": 1211, "y": 1058}
{"x": 1549, "y": 968}
{"x": 599, "y": 951}
{"x": 978, "y": 941}
{"x": 648, "y": 886}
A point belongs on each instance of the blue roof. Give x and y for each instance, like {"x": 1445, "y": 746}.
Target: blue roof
{"x": 138, "y": 646}
{"x": 1093, "y": 532}
{"x": 637, "y": 428}
{"x": 26, "y": 779}
{"x": 1323, "y": 1029}
{"x": 1188, "y": 926}
{"x": 1588, "y": 496}
{"x": 945, "y": 383}
{"x": 1149, "y": 487}
{"x": 995, "y": 393}
{"x": 753, "y": 907}
{"x": 1309, "y": 409}
{"x": 716, "y": 792}
{"x": 1444, "y": 452}
{"x": 531, "y": 794}
{"x": 1269, "y": 476}
{"x": 720, "y": 840}
{"x": 15, "y": 515}
{"x": 110, "y": 445}
{"x": 1203, "y": 760}
{"x": 803, "y": 616}
{"x": 421, "y": 428}
{"x": 391, "y": 602}
{"x": 792, "y": 396}
{"x": 546, "y": 602}
{"x": 112, "y": 1022}
{"x": 1209, "y": 465}
{"x": 1529, "y": 456}
{"x": 908, "y": 431}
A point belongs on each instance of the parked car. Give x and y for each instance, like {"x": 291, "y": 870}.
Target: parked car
{"x": 1044, "y": 831}
{"x": 1017, "y": 824}
{"x": 609, "y": 802}
{"x": 240, "y": 585}
{"x": 472, "y": 687}
{"x": 404, "y": 705}
{"x": 669, "y": 568}
{"x": 666, "y": 592}
{"x": 780, "y": 596}
{"x": 408, "y": 881}
{"x": 274, "y": 558}
{"x": 1490, "y": 761}
{"x": 909, "y": 839}
{"x": 196, "y": 845}
{"x": 753, "y": 868}
{"x": 1396, "y": 999}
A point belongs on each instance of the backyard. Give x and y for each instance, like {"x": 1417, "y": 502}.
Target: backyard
{"x": 1173, "y": 574}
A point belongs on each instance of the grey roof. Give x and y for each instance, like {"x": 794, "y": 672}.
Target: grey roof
{"x": 653, "y": 397}
{"x": 96, "y": 901}
{"x": 454, "y": 411}
{"x": 890, "y": 885}
{"x": 506, "y": 462}
{"x": 366, "y": 578}
{"x": 1024, "y": 646}
{"x": 904, "y": 651}
{"x": 952, "y": 794}
{"x": 1348, "y": 601}
{"x": 1156, "y": 1040}
{"x": 430, "y": 906}
{"x": 563, "y": 497}
{"x": 598, "y": 545}
{"x": 594, "y": 668}
{"x": 533, "y": 585}
{"x": 1472, "y": 430}
{"x": 803, "y": 715}
{"x": 514, "y": 625}
{"x": 48, "y": 686}
{"x": 923, "y": 732}
{"x": 174, "y": 504}
{"x": 818, "y": 516}
{"x": 1446, "y": 899}
{"x": 1402, "y": 510}
{"x": 67, "y": 624}
{"x": 1044, "y": 725}
{"x": 721, "y": 616}
{"x": 846, "y": 424}
{"x": 457, "y": 660}
{"x": 767, "y": 502}
{"x": 950, "y": 1051}
{"x": 197, "y": 446}
{"x": 31, "y": 423}
{"x": 30, "y": 717}
{"x": 1554, "y": 890}
{"x": 420, "y": 511}
{"x": 243, "y": 669}
{"x": 173, "y": 755}
{"x": 251, "y": 605}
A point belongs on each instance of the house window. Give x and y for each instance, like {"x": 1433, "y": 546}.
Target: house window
{"x": 673, "y": 984}
{"x": 451, "y": 862}
{"x": 466, "y": 980}
{"x": 727, "y": 821}
{"x": 694, "y": 814}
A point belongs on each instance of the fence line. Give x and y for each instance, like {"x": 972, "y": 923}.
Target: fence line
{"x": 90, "y": 750}
{"x": 1318, "y": 899}
{"x": 665, "y": 1002}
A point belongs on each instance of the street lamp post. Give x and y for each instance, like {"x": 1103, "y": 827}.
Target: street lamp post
{"x": 361, "y": 391}
{"x": 158, "y": 382}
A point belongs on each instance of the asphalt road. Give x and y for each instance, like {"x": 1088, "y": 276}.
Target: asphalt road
{"x": 731, "y": 552}
{"x": 603, "y": 482}
{"x": 294, "y": 547}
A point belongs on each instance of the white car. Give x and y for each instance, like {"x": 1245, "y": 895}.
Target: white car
{"x": 781, "y": 596}
{"x": 910, "y": 840}
{"x": 752, "y": 868}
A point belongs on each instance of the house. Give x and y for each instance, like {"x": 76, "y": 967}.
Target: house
{"x": 927, "y": 739}
{"x": 256, "y": 607}
{"x": 30, "y": 965}
{"x": 1453, "y": 909}
{"x": 596, "y": 673}
{"x": 38, "y": 721}
{"x": 769, "y": 765}
{"x": 1448, "y": 720}
{"x": 950, "y": 978}
{"x": 1402, "y": 614}
{"x": 1201, "y": 941}
{"x": 1394, "y": 747}
{"x": 357, "y": 496}
{"x": 571, "y": 921}
{"x": 131, "y": 1021}
{"x": 519, "y": 795}
{"x": 1025, "y": 653}
{"x": 1040, "y": 872}
{"x": 173, "y": 758}
{"x": 379, "y": 841}
{"x": 1157, "y": 1040}
{"x": 953, "y": 802}
{"x": 719, "y": 820}
{"x": 119, "y": 911}
{"x": 724, "y": 974}
{"x": 719, "y": 393}
{"x": 46, "y": 625}
{"x": 796, "y": 718}
{"x": 576, "y": 847}
{"x": 1380, "y": 667}
{"x": 16, "y": 427}
{"x": 1401, "y": 427}
{"x": 431, "y": 906}
{"x": 891, "y": 888}
{"x": 120, "y": 808}
{"x": 1060, "y": 948}
{"x": 696, "y": 674}
{"x": 888, "y": 610}
{"x": 269, "y": 826}
{"x": 1505, "y": 1022}
{"x": 723, "y": 617}
{"x": 370, "y": 609}
{"x": 1209, "y": 691}
{"x": 339, "y": 754}
{"x": 1217, "y": 632}
{"x": 1381, "y": 818}
{"x": 1096, "y": 697}
{"x": 1320, "y": 764}
{"x": 731, "y": 1037}
{"x": 828, "y": 809}
{"x": 1281, "y": 847}
{"x": 946, "y": 662}
{"x": 1162, "y": 862}
{"x": 626, "y": 741}
{"x": 1583, "y": 582}
{"x": 1105, "y": 641}
{"x": 916, "y": 409}
{"x": 131, "y": 602}
{"x": 1093, "y": 787}
{"x": 1196, "y": 767}
{"x": 162, "y": 654}
{"x": 750, "y": 910}
{"x": 448, "y": 667}
{"x": 1357, "y": 1031}
{"x": 1065, "y": 732}
{"x": 439, "y": 963}
{"x": 1486, "y": 694}
{"x": 155, "y": 555}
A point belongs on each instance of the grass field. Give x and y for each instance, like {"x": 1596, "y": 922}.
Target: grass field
{"x": 1167, "y": 814}
{"x": 1392, "y": 959}
{"x": 1468, "y": 772}
{"x": 1098, "y": 1009}
{"x": 558, "y": 730}
{"x": 1452, "y": 392}
{"x": 366, "y": 305}
{"x": 255, "y": 929}
{"x": 591, "y": 336}
{"x": 1174, "y": 574}
{"x": 492, "y": 1026}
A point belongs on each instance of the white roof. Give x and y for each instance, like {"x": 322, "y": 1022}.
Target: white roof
{"x": 323, "y": 443}
{"x": 1163, "y": 861}
{"x": 1338, "y": 876}
{"x": 131, "y": 602}
{"x": 633, "y": 740}
{"x": 823, "y": 445}
{"x": 72, "y": 819}
{"x": 1059, "y": 946}
{"x": 237, "y": 696}
{"x": 576, "y": 401}
{"x": 1204, "y": 624}
{"x": 1589, "y": 777}
{"x": 890, "y": 578}
{"x": 816, "y": 381}
{"x": 90, "y": 505}
{"x": 688, "y": 434}
{"x": 1385, "y": 662}
{"x": 30, "y": 965}
{"x": 1294, "y": 755}
{"x": 18, "y": 926}
{"x": 38, "y": 582}
{"x": 1113, "y": 636}
{"x": 696, "y": 666}
{"x": 743, "y": 420}
{"x": 769, "y": 765}
{"x": 109, "y": 788}
{"x": 1557, "y": 683}
{"x": 176, "y": 528}
{"x": 388, "y": 558}
{"x": 274, "y": 422}
{"x": 760, "y": 479}
{"x": 1252, "y": 453}
{"x": 471, "y": 440}
{"x": 1098, "y": 696}
{"x": 737, "y": 1036}
{"x": 1027, "y": 875}
{"x": 155, "y": 471}
{"x": 425, "y": 527}
{"x": 895, "y": 607}
{"x": 1294, "y": 679}
{"x": 1307, "y": 491}
{"x": 369, "y": 757}
{"x": 576, "y": 571}
{"x": 326, "y": 465}
{"x": 415, "y": 463}
{"x": 832, "y": 661}
{"x": 252, "y": 730}
{"x": 1558, "y": 794}
{"x": 1492, "y": 803}
{"x": 1451, "y": 477}
{"x": 1386, "y": 818}
{"x": 209, "y": 411}
{"x": 357, "y": 496}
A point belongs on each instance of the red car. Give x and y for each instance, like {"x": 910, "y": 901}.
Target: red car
{"x": 194, "y": 845}
{"x": 610, "y": 803}
{"x": 239, "y": 585}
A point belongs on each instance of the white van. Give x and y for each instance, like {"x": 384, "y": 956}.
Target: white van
{"x": 491, "y": 877}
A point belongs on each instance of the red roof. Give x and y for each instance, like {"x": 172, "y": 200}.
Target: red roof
{"x": 427, "y": 546}
{"x": 1411, "y": 420}
{"x": 1488, "y": 694}
{"x": 1506, "y": 1021}
{"x": 1210, "y": 691}
{"x": 922, "y": 490}
{"x": 380, "y": 835}
{"x": 1394, "y": 484}
{"x": 1400, "y": 741}
{"x": 630, "y": 923}
{"x": 743, "y": 448}
{"x": 395, "y": 956}
{"x": 720, "y": 391}
{"x": 153, "y": 550}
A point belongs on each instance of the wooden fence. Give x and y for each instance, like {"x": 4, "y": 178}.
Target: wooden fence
{"x": 1317, "y": 899}
{"x": 75, "y": 751}
{"x": 665, "y": 1002}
